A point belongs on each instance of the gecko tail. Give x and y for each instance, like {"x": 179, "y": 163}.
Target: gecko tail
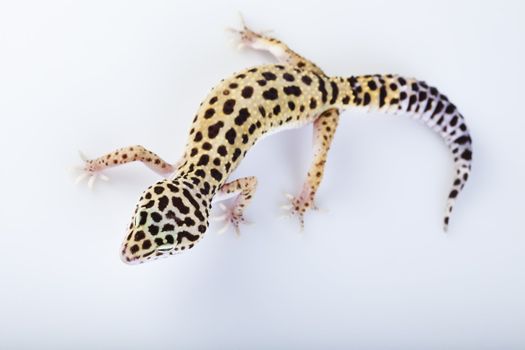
{"x": 396, "y": 94}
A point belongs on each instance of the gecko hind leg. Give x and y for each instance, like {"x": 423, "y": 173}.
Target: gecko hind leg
{"x": 279, "y": 50}
{"x": 244, "y": 189}
{"x": 324, "y": 130}
{"x": 92, "y": 168}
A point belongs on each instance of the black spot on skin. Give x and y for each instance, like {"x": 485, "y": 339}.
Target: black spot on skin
{"x": 292, "y": 90}
{"x": 433, "y": 91}
{"x": 140, "y": 235}
{"x": 233, "y": 85}
{"x": 438, "y": 109}
{"x": 261, "y": 82}
{"x": 244, "y": 138}
{"x": 270, "y": 94}
{"x": 251, "y": 130}
{"x": 429, "y": 105}
{"x": 411, "y": 101}
{"x": 156, "y": 216}
{"x": 143, "y": 217}
{"x": 346, "y": 100}
{"x": 462, "y": 140}
{"x": 372, "y": 85}
{"x": 177, "y": 203}
{"x": 306, "y": 79}
{"x": 402, "y": 81}
{"x": 242, "y": 117}
{"x": 422, "y": 96}
{"x": 313, "y": 103}
{"x": 170, "y": 239}
{"x": 204, "y": 159}
{"x": 202, "y": 228}
{"x": 134, "y": 248}
{"x": 467, "y": 155}
{"x": 206, "y": 146}
{"x": 291, "y": 105}
{"x": 153, "y": 229}
{"x": 453, "y": 194}
{"x": 402, "y": 95}
{"x": 352, "y": 81}
{"x": 200, "y": 173}
{"x": 269, "y": 76}
{"x": 247, "y": 92}
{"x": 186, "y": 235}
{"x": 288, "y": 77}
{"x": 163, "y": 202}
{"x": 453, "y": 121}
{"x": 213, "y": 100}
{"x": 322, "y": 89}
{"x": 209, "y": 113}
{"x": 262, "y": 111}
{"x": 230, "y": 136}
{"x": 168, "y": 227}
{"x": 236, "y": 154}
{"x": 228, "y": 106}
{"x": 194, "y": 151}
{"x": 198, "y": 136}
{"x": 158, "y": 189}
{"x": 382, "y": 96}
{"x": 276, "y": 109}
{"x": 366, "y": 99}
{"x": 222, "y": 150}
{"x": 216, "y": 174}
{"x": 213, "y": 130}
{"x": 335, "y": 92}
{"x": 146, "y": 244}
{"x": 450, "y": 109}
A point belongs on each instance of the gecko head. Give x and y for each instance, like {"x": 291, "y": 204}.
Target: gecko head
{"x": 170, "y": 217}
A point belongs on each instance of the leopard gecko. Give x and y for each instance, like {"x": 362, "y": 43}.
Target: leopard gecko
{"x": 172, "y": 215}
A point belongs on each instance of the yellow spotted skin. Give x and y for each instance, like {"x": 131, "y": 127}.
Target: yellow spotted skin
{"x": 173, "y": 214}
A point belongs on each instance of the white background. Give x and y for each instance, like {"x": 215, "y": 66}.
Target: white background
{"x": 374, "y": 272}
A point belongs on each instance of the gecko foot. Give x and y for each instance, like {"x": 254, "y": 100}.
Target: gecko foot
{"x": 298, "y": 206}
{"x": 231, "y": 216}
{"x": 89, "y": 171}
{"x": 245, "y": 36}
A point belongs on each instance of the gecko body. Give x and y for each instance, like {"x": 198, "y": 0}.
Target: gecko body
{"x": 173, "y": 214}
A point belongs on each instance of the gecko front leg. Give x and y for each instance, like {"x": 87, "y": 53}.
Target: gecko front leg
{"x": 244, "y": 188}
{"x": 324, "y": 130}
{"x": 92, "y": 168}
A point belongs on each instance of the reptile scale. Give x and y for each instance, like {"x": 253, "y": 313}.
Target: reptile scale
{"x": 173, "y": 214}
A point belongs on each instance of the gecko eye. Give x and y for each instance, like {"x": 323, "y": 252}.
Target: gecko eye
{"x": 165, "y": 248}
